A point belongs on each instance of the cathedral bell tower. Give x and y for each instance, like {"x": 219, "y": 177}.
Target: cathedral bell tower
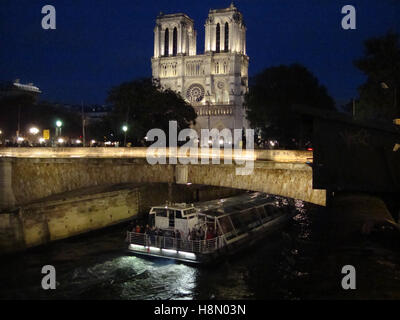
{"x": 225, "y": 31}
{"x": 214, "y": 82}
{"x": 174, "y": 35}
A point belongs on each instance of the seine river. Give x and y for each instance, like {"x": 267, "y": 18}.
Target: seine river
{"x": 298, "y": 262}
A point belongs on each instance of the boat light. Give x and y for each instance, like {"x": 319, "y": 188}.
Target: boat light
{"x": 136, "y": 246}
{"x": 170, "y": 251}
{"x": 187, "y": 255}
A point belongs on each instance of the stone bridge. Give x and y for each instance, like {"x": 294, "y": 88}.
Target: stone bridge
{"x": 31, "y": 174}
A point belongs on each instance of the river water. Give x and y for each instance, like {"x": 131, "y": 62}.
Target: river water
{"x": 297, "y": 262}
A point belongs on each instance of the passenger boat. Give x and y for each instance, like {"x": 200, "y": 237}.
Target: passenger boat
{"x": 205, "y": 231}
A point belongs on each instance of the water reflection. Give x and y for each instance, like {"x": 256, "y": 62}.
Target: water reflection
{"x": 294, "y": 263}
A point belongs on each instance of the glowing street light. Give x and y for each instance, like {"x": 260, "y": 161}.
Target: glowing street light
{"x": 125, "y": 129}
{"x": 41, "y": 140}
{"x": 61, "y": 140}
{"x": 34, "y": 130}
{"x": 59, "y": 127}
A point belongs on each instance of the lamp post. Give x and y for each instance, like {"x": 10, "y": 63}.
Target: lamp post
{"x": 125, "y": 129}
{"x": 59, "y": 127}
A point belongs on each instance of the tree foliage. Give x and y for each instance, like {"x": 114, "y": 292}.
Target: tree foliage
{"x": 274, "y": 91}
{"x": 143, "y": 105}
{"x": 381, "y": 65}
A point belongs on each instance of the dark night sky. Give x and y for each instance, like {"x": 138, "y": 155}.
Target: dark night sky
{"x": 101, "y": 43}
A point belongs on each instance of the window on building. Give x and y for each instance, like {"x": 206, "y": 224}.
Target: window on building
{"x": 175, "y": 42}
{"x": 226, "y": 37}
{"x": 166, "y": 43}
{"x": 225, "y": 67}
{"x": 218, "y": 39}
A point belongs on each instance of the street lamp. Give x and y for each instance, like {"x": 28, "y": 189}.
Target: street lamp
{"x": 34, "y": 130}
{"x": 59, "y": 126}
{"x": 125, "y": 129}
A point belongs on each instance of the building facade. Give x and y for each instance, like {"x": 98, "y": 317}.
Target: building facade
{"x": 214, "y": 82}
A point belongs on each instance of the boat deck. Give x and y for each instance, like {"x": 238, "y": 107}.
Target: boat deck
{"x": 173, "y": 248}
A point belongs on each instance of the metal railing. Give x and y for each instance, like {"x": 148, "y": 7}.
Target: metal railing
{"x": 195, "y": 246}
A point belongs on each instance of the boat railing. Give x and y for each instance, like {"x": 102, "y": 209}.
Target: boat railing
{"x": 195, "y": 246}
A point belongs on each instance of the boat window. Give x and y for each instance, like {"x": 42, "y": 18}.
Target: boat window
{"x": 238, "y": 223}
{"x": 267, "y": 209}
{"x": 249, "y": 217}
{"x": 178, "y": 214}
{"x": 161, "y": 212}
{"x": 190, "y": 211}
{"x": 225, "y": 224}
{"x": 254, "y": 217}
{"x": 261, "y": 212}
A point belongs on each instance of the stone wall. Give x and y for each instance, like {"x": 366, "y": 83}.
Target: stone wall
{"x": 35, "y": 178}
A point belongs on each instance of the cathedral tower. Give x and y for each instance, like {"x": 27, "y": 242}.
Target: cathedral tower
{"x": 215, "y": 82}
{"x": 225, "y": 31}
{"x": 174, "y": 35}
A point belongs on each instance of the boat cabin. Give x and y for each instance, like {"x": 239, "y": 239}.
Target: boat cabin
{"x": 178, "y": 216}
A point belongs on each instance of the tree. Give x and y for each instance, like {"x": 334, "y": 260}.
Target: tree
{"x": 381, "y": 65}
{"x": 273, "y": 93}
{"x": 143, "y": 105}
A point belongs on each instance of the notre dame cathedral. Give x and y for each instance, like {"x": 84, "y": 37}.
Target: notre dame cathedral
{"x": 215, "y": 82}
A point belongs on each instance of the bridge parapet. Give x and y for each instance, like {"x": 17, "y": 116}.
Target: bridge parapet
{"x": 256, "y": 155}
{"x": 31, "y": 174}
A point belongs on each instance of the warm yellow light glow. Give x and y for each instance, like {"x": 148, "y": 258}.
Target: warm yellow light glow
{"x": 34, "y": 130}
{"x": 286, "y": 156}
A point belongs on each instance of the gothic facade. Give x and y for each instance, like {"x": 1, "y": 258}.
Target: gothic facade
{"x": 214, "y": 82}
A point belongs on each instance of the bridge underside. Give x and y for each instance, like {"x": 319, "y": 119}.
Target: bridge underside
{"x": 24, "y": 180}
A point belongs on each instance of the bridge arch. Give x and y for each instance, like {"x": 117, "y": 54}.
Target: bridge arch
{"x": 30, "y": 179}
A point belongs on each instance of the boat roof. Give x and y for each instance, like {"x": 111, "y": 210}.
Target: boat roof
{"x": 232, "y": 204}
{"x": 224, "y": 206}
{"x": 176, "y": 206}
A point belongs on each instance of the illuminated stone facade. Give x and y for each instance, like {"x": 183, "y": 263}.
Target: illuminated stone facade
{"x": 214, "y": 82}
